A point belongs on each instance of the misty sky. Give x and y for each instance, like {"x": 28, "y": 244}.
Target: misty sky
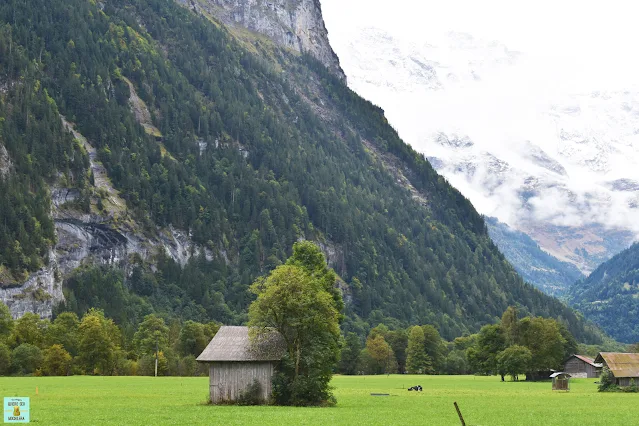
{"x": 567, "y": 47}
{"x": 592, "y": 41}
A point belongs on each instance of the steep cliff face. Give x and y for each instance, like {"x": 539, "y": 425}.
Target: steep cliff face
{"x": 296, "y": 24}
{"x": 106, "y": 236}
{"x": 5, "y": 162}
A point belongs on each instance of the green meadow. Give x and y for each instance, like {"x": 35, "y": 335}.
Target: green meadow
{"x": 82, "y": 400}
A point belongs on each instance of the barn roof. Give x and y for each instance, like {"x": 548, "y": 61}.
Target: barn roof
{"x": 587, "y": 360}
{"x": 559, "y": 373}
{"x": 621, "y": 364}
{"x": 233, "y": 344}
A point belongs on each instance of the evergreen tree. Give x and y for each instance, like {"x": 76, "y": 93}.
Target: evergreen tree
{"x": 350, "y": 355}
{"x": 152, "y": 335}
{"x": 510, "y": 325}
{"x": 417, "y": 362}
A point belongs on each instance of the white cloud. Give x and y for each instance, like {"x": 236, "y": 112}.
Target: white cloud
{"x": 568, "y": 48}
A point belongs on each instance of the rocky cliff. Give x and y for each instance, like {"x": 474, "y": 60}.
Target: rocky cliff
{"x": 105, "y": 236}
{"x": 295, "y": 24}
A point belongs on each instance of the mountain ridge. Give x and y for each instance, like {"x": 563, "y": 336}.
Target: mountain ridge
{"x": 246, "y": 160}
{"x": 610, "y": 295}
{"x": 537, "y": 267}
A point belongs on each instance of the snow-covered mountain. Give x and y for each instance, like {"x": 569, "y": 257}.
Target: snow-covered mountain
{"x": 520, "y": 138}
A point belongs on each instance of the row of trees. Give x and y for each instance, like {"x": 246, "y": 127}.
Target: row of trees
{"x": 416, "y": 350}
{"x": 514, "y": 346}
{"x": 95, "y": 344}
{"x": 517, "y": 346}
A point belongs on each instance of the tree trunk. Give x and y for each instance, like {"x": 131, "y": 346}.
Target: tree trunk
{"x": 297, "y": 360}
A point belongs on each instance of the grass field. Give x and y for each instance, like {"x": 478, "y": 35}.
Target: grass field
{"x": 180, "y": 401}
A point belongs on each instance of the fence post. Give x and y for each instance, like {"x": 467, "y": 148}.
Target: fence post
{"x": 461, "y": 418}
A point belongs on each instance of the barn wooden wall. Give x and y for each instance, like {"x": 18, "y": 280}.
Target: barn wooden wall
{"x": 626, "y": 381}
{"x": 228, "y": 379}
{"x": 580, "y": 369}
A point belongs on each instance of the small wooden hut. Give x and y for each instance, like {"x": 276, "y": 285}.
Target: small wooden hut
{"x": 560, "y": 381}
{"x": 580, "y": 366}
{"x": 235, "y": 362}
{"x": 624, "y": 366}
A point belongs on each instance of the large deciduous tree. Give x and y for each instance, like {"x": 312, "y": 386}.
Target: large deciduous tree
{"x": 28, "y": 329}
{"x": 482, "y": 356}
{"x": 56, "y": 361}
{"x": 543, "y": 337}
{"x": 152, "y": 333}
{"x": 64, "y": 331}
{"x": 381, "y": 354}
{"x": 514, "y": 360}
{"x": 299, "y": 301}
{"x": 99, "y": 339}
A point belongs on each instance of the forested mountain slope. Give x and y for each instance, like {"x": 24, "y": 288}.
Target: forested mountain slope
{"x": 610, "y": 296}
{"x": 200, "y": 156}
{"x": 546, "y": 272}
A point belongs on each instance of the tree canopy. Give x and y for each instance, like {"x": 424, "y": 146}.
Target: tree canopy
{"x": 296, "y": 301}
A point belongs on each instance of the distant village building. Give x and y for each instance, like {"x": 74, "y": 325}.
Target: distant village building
{"x": 235, "y": 362}
{"x": 624, "y": 366}
{"x": 583, "y": 367}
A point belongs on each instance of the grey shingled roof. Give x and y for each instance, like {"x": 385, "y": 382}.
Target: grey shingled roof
{"x": 233, "y": 344}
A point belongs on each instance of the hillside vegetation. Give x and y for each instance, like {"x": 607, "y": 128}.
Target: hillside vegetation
{"x": 252, "y": 148}
{"x": 610, "y": 296}
{"x": 549, "y": 274}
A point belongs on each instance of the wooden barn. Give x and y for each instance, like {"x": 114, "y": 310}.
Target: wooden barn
{"x": 583, "y": 367}
{"x": 235, "y": 362}
{"x": 624, "y": 366}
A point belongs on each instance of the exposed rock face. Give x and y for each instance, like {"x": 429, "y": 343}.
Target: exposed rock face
{"x": 108, "y": 237}
{"x": 38, "y": 294}
{"x": 296, "y": 24}
{"x": 5, "y": 162}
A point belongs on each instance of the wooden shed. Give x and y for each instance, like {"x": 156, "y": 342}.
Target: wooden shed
{"x": 580, "y": 366}
{"x": 560, "y": 381}
{"x": 235, "y": 362}
{"x": 624, "y": 366}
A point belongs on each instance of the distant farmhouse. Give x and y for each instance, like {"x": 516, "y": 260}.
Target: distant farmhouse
{"x": 235, "y": 362}
{"x": 580, "y": 366}
{"x": 624, "y": 366}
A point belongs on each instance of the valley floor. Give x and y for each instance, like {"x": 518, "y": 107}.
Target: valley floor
{"x": 180, "y": 401}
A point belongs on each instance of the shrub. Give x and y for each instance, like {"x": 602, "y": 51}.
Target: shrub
{"x": 252, "y": 394}
{"x": 187, "y": 366}
{"x": 606, "y": 380}
{"x": 26, "y": 358}
{"x": 632, "y": 388}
